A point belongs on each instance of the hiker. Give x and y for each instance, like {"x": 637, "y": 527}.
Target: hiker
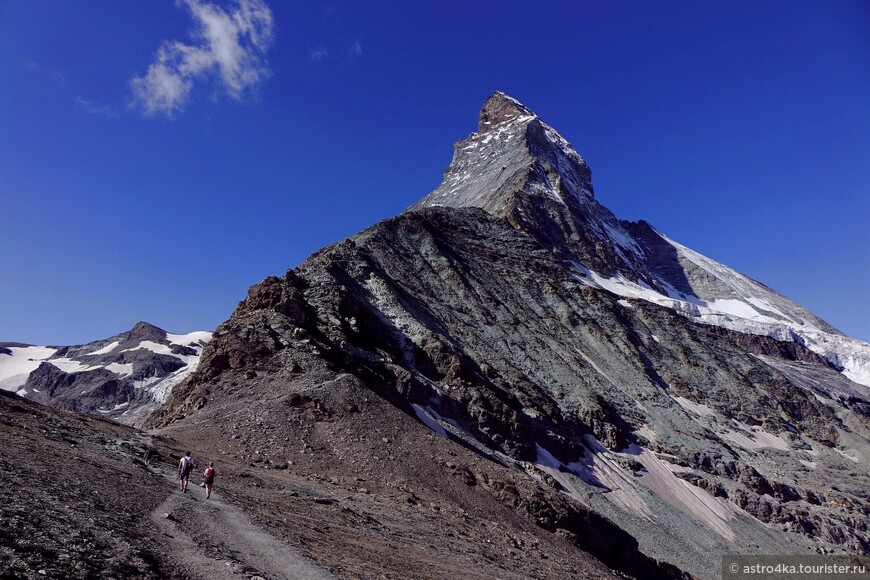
{"x": 185, "y": 466}
{"x": 209, "y": 478}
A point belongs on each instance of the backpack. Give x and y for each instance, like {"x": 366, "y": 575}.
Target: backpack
{"x": 186, "y": 465}
{"x": 209, "y": 473}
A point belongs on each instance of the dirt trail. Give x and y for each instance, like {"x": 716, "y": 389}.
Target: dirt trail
{"x": 213, "y": 539}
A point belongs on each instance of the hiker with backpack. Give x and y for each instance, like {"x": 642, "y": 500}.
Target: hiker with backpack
{"x": 185, "y": 466}
{"x": 209, "y": 479}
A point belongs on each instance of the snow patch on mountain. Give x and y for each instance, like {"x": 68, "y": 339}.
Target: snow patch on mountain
{"x": 755, "y": 438}
{"x": 194, "y": 339}
{"x": 17, "y": 366}
{"x": 121, "y": 369}
{"x": 748, "y": 314}
{"x": 106, "y": 349}
{"x": 161, "y": 388}
{"x": 71, "y": 366}
{"x": 557, "y": 470}
{"x": 693, "y": 407}
{"x": 425, "y": 414}
{"x": 17, "y": 363}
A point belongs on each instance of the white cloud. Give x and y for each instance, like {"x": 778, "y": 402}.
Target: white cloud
{"x": 95, "y": 108}
{"x": 228, "y": 46}
{"x": 355, "y": 50}
{"x": 318, "y": 53}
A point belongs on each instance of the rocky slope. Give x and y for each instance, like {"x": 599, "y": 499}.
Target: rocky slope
{"x": 75, "y": 497}
{"x": 669, "y": 429}
{"x": 78, "y": 500}
{"x": 485, "y": 317}
{"x": 123, "y": 378}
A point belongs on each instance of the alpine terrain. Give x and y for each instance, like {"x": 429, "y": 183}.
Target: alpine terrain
{"x": 123, "y": 378}
{"x": 503, "y": 381}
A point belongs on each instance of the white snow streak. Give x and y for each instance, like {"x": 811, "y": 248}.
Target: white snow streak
{"x": 742, "y": 315}
{"x": 425, "y": 416}
{"x": 697, "y": 408}
{"x": 106, "y": 349}
{"x": 711, "y": 511}
{"x": 194, "y": 339}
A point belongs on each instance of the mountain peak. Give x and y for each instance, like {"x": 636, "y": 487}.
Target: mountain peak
{"x": 500, "y": 108}
{"x": 516, "y": 167}
{"x": 146, "y": 331}
{"x": 521, "y": 169}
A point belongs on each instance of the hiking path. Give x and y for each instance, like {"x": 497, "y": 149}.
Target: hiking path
{"x": 213, "y": 539}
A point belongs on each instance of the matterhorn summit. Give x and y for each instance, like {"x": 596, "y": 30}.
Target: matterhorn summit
{"x": 519, "y": 168}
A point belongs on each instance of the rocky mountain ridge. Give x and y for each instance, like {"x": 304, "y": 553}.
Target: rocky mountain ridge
{"x": 517, "y": 167}
{"x": 487, "y": 313}
{"x": 123, "y": 378}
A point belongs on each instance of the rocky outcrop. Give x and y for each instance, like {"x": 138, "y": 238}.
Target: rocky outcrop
{"x": 769, "y": 346}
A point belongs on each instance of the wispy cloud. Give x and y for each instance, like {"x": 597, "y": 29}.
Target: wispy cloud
{"x": 355, "y": 50}
{"x": 228, "y": 47}
{"x": 58, "y": 81}
{"x": 320, "y": 53}
{"x": 96, "y": 108}
{"x": 317, "y": 54}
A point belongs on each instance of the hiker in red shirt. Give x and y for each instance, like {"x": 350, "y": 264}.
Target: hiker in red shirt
{"x": 209, "y": 479}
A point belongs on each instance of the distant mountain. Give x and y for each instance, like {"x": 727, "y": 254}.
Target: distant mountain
{"x": 683, "y": 410}
{"x": 123, "y": 378}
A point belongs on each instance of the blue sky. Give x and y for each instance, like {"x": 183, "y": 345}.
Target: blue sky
{"x": 144, "y": 176}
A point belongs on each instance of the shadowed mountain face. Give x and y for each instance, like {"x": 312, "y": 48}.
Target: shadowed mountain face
{"x": 124, "y": 378}
{"x": 511, "y": 315}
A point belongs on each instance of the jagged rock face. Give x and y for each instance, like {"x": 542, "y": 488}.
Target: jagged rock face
{"x": 462, "y": 320}
{"x": 484, "y": 312}
{"x": 518, "y": 167}
{"x": 124, "y": 378}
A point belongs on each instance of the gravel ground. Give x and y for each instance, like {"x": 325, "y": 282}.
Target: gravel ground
{"x": 78, "y": 501}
